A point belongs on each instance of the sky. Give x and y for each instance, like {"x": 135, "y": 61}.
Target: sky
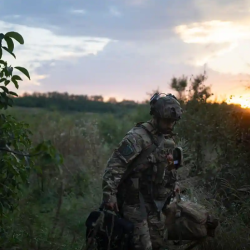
{"x": 128, "y": 48}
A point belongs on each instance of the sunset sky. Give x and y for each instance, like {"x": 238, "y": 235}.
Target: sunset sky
{"x": 126, "y": 48}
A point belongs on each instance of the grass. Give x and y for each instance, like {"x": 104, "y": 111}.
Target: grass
{"x": 52, "y": 209}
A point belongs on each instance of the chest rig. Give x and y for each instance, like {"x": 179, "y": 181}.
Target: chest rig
{"x": 160, "y": 178}
{"x": 150, "y": 180}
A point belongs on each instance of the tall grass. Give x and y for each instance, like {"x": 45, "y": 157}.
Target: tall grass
{"x": 53, "y": 208}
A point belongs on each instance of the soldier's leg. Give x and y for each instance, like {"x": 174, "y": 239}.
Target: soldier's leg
{"x": 141, "y": 231}
{"x": 156, "y": 228}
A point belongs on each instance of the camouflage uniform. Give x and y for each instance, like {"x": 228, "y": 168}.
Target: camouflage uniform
{"x": 147, "y": 188}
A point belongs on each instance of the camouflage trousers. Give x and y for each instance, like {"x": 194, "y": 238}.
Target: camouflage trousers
{"x": 148, "y": 230}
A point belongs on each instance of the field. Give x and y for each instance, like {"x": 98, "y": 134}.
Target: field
{"x": 52, "y": 208}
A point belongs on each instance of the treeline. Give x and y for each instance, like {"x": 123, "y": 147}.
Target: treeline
{"x": 79, "y": 103}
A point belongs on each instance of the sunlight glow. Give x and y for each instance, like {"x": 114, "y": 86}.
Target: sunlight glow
{"x": 224, "y": 44}
{"x": 215, "y": 31}
{"x": 243, "y": 101}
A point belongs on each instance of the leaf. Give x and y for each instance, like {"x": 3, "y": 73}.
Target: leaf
{"x": 3, "y": 79}
{"x": 1, "y": 52}
{"x": 15, "y": 83}
{"x": 13, "y": 93}
{"x": 16, "y": 78}
{"x": 1, "y": 36}
{"x": 16, "y": 36}
{"x": 3, "y": 62}
{"x": 10, "y": 43}
{"x": 5, "y": 48}
{"x": 4, "y": 89}
{"x": 24, "y": 71}
{"x": 6, "y": 82}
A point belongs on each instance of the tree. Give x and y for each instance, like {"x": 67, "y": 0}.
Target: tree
{"x": 96, "y": 98}
{"x": 14, "y": 135}
{"x": 179, "y": 84}
{"x": 112, "y": 100}
{"x": 15, "y": 144}
{"x": 197, "y": 90}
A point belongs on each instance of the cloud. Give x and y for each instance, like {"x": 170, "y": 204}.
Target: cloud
{"x": 154, "y": 41}
{"x": 12, "y": 16}
{"x": 78, "y": 11}
{"x": 217, "y": 51}
{"x": 223, "y": 10}
{"x": 42, "y": 45}
{"x": 115, "y": 12}
{"x": 223, "y": 40}
{"x": 214, "y": 31}
{"x": 129, "y": 77}
{"x": 137, "y": 2}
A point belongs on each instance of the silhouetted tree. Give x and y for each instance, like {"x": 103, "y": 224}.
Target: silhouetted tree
{"x": 179, "y": 85}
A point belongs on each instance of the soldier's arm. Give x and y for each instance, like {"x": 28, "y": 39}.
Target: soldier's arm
{"x": 128, "y": 149}
{"x": 177, "y": 187}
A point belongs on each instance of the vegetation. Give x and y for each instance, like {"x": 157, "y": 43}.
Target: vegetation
{"x": 16, "y": 148}
{"x": 45, "y": 198}
{"x": 74, "y": 103}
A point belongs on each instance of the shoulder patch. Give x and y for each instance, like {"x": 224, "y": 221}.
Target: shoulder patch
{"x": 129, "y": 148}
{"x": 126, "y": 149}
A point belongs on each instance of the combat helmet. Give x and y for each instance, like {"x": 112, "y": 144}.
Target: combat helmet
{"x": 165, "y": 106}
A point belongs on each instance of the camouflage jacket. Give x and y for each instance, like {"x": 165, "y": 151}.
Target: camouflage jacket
{"x": 156, "y": 170}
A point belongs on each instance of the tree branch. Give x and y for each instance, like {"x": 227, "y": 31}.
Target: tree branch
{"x": 19, "y": 153}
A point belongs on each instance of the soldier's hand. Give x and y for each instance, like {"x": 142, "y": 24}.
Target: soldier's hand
{"x": 170, "y": 157}
{"x": 177, "y": 189}
{"x": 111, "y": 206}
{"x": 170, "y": 161}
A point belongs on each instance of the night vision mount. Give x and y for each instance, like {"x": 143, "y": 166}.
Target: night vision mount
{"x": 156, "y": 97}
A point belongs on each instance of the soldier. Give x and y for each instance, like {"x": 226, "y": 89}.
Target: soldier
{"x": 146, "y": 153}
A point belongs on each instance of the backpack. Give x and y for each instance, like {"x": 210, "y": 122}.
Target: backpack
{"x": 106, "y": 230}
{"x": 186, "y": 220}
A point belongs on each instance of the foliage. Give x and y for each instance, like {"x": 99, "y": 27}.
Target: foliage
{"x": 214, "y": 137}
{"x": 191, "y": 89}
{"x": 14, "y": 135}
{"x": 16, "y": 148}
{"x": 74, "y": 103}
{"x": 179, "y": 84}
{"x": 53, "y": 208}
{"x": 6, "y": 71}
{"x": 218, "y": 141}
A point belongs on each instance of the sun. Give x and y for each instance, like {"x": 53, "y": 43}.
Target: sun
{"x": 243, "y": 101}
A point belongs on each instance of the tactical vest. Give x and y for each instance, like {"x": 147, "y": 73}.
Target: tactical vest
{"x": 151, "y": 179}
